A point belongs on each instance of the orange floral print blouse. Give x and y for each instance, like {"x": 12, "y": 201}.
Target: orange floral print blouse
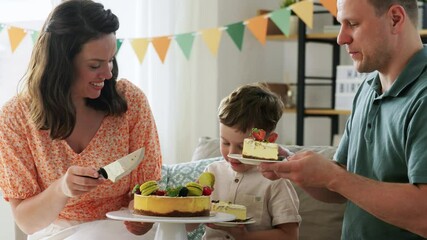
{"x": 30, "y": 160}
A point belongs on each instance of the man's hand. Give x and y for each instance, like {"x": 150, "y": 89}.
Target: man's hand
{"x": 307, "y": 169}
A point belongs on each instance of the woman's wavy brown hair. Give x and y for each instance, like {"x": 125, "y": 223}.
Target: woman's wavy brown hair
{"x": 50, "y": 73}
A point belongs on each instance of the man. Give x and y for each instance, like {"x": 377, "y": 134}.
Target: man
{"x": 381, "y": 162}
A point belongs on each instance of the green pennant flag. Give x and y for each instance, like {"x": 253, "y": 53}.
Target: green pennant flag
{"x": 34, "y": 36}
{"x": 1, "y": 27}
{"x": 236, "y": 31}
{"x": 282, "y": 19}
{"x": 119, "y": 42}
{"x": 185, "y": 42}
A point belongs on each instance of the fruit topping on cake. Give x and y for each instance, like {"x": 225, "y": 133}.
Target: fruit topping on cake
{"x": 191, "y": 200}
{"x": 260, "y": 145}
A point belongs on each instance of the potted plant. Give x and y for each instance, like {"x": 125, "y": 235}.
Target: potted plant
{"x": 287, "y": 3}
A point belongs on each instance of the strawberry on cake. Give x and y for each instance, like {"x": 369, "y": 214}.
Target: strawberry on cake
{"x": 261, "y": 146}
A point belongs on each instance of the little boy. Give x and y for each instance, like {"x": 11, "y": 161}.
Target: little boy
{"x": 272, "y": 204}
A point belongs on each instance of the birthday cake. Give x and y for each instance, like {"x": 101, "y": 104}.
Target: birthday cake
{"x": 191, "y": 200}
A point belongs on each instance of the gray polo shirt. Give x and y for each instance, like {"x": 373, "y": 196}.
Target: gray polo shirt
{"x": 386, "y": 140}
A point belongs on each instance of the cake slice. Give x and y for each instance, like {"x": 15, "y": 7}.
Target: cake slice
{"x": 260, "y": 150}
{"x": 260, "y": 147}
{"x": 239, "y": 211}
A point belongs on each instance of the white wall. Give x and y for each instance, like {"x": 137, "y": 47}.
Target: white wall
{"x": 7, "y": 230}
{"x": 276, "y": 62}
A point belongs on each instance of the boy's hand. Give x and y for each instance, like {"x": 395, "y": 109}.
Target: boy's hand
{"x": 138, "y": 228}
{"x": 238, "y": 232}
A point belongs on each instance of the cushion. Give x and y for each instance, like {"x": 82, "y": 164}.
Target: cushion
{"x": 320, "y": 220}
{"x": 323, "y": 219}
{"x": 182, "y": 173}
{"x": 206, "y": 148}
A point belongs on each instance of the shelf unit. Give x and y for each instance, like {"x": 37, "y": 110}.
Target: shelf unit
{"x": 301, "y": 110}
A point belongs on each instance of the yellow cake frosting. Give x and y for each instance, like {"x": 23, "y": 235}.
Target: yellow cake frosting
{"x": 190, "y": 206}
{"x": 239, "y": 211}
{"x": 260, "y": 150}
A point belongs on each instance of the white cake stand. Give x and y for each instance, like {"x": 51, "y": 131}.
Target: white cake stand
{"x": 169, "y": 227}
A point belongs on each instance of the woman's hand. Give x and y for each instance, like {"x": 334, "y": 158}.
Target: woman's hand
{"x": 138, "y": 228}
{"x": 79, "y": 180}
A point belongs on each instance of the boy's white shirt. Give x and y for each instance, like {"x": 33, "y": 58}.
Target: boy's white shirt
{"x": 251, "y": 189}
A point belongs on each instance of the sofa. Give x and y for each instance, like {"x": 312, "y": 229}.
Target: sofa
{"x": 320, "y": 221}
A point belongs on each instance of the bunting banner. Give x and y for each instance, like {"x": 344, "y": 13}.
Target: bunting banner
{"x": 15, "y": 35}
{"x": 212, "y": 38}
{"x": 330, "y": 5}
{"x": 257, "y": 26}
{"x": 282, "y": 20}
{"x": 185, "y": 42}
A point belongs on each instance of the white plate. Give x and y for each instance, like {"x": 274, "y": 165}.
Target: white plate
{"x": 234, "y": 223}
{"x": 126, "y": 215}
{"x": 252, "y": 161}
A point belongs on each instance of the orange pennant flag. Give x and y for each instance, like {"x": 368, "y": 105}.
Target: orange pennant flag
{"x": 212, "y": 37}
{"x": 258, "y": 27}
{"x": 331, "y": 6}
{"x": 140, "y": 46}
{"x": 15, "y": 36}
{"x": 304, "y": 10}
{"x": 161, "y": 44}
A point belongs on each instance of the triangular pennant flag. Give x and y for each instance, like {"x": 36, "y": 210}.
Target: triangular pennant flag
{"x": 304, "y": 10}
{"x": 282, "y": 19}
{"x": 15, "y": 36}
{"x": 34, "y": 36}
{"x": 161, "y": 45}
{"x": 1, "y": 27}
{"x": 140, "y": 46}
{"x": 212, "y": 37}
{"x": 185, "y": 41}
{"x": 236, "y": 31}
{"x": 119, "y": 43}
{"x": 258, "y": 27}
{"x": 331, "y": 6}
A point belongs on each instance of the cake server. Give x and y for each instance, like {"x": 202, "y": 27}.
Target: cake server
{"x": 123, "y": 166}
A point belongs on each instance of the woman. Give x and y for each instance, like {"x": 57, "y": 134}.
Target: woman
{"x": 72, "y": 118}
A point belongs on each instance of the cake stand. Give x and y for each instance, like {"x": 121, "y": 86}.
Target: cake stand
{"x": 169, "y": 227}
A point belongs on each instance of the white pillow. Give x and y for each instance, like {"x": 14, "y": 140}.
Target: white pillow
{"x": 207, "y": 148}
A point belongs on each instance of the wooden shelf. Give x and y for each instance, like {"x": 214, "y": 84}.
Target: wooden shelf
{"x": 320, "y": 111}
